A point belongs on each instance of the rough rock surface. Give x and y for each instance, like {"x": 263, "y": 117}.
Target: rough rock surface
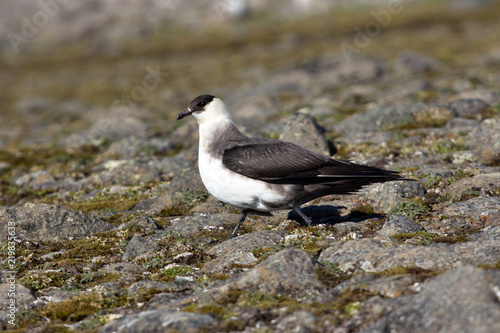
{"x": 303, "y": 129}
{"x": 239, "y": 250}
{"x": 383, "y": 196}
{"x": 372, "y": 255}
{"x": 137, "y": 246}
{"x": 158, "y": 321}
{"x": 484, "y": 141}
{"x": 42, "y": 222}
{"x": 461, "y": 300}
{"x": 397, "y": 224}
{"x": 107, "y": 226}
{"x": 288, "y": 273}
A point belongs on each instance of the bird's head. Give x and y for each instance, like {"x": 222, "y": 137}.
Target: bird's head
{"x": 206, "y": 108}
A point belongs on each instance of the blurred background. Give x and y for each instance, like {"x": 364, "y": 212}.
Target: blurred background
{"x": 77, "y": 76}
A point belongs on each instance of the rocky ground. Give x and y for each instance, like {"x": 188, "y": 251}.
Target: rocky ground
{"x": 115, "y": 232}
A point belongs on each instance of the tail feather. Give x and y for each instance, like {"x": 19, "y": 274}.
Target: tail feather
{"x": 340, "y": 177}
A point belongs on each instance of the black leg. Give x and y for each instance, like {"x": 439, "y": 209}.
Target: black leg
{"x": 296, "y": 209}
{"x": 240, "y": 222}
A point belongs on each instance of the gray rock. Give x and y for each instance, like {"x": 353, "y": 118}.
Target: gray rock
{"x": 158, "y": 321}
{"x": 461, "y": 124}
{"x": 372, "y": 255}
{"x": 432, "y": 171}
{"x": 484, "y": 141}
{"x": 51, "y": 255}
{"x": 391, "y": 286}
{"x": 4, "y": 166}
{"x": 461, "y": 300}
{"x": 191, "y": 225}
{"x": 360, "y": 70}
{"x": 169, "y": 167}
{"x": 138, "y": 246}
{"x": 56, "y": 295}
{"x": 397, "y": 224}
{"x": 404, "y": 91}
{"x": 132, "y": 147}
{"x": 392, "y": 117}
{"x": 383, "y": 196}
{"x": 346, "y": 252}
{"x": 450, "y": 225}
{"x": 188, "y": 180}
{"x": 410, "y": 63}
{"x": 239, "y": 250}
{"x": 123, "y": 172}
{"x": 43, "y": 222}
{"x": 23, "y": 296}
{"x": 143, "y": 222}
{"x": 105, "y": 130}
{"x": 147, "y": 285}
{"x": 483, "y": 208}
{"x": 345, "y": 227}
{"x": 378, "y": 306}
{"x": 298, "y": 322}
{"x": 469, "y": 5}
{"x": 123, "y": 268}
{"x": 35, "y": 179}
{"x": 483, "y": 183}
{"x": 472, "y": 108}
{"x": 303, "y": 129}
{"x": 289, "y": 273}
{"x": 252, "y": 112}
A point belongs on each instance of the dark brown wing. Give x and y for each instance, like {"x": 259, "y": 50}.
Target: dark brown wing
{"x": 274, "y": 160}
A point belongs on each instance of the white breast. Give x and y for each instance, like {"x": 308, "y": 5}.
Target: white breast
{"x": 231, "y": 187}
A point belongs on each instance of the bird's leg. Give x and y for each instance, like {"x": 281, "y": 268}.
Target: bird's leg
{"x": 296, "y": 209}
{"x": 240, "y": 222}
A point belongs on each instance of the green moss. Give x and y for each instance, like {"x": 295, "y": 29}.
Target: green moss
{"x": 24, "y": 319}
{"x": 449, "y": 239}
{"x": 88, "y": 251}
{"x": 330, "y": 275}
{"x": 80, "y": 307}
{"x": 37, "y": 280}
{"x": 362, "y": 210}
{"x": 214, "y": 310}
{"x": 177, "y": 270}
{"x": 346, "y": 303}
{"x": 423, "y": 237}
{"x": 154, "y": 264}
{"x": 489, "y": 266}
{"x": 184, "y": 202}
{"x": 233, "y": 325}
{"x": 230, "y": 297}
{"x": 421, "y": 274}
{"x": 241, "y": 266}
{"x": 410, "y": 208}
{"x": 313, "y": 248}
{"x": 219, "y": 276}
{"x": 193, "y": 197}
{"x": 105, "y": 203}
{"x": 447, "y": 145}
{"x": 91, "y": 279}
{"x": 266, "y": 301}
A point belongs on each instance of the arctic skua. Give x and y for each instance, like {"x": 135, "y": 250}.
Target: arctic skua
{"x": 260, "y": 175}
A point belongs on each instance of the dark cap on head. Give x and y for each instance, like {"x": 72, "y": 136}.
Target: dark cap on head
{"x": 197, "y": 104}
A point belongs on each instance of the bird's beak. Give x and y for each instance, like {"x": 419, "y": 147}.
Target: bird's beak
{"x": 184, "y": 114}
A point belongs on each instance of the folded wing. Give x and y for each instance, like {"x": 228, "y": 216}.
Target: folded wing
{"x": 283, "y": 162}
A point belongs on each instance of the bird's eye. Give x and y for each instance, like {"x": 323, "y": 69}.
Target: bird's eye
{"x": 202, "y": 104}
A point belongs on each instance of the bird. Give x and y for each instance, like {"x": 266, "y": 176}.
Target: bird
{"x": 261, "y": 175}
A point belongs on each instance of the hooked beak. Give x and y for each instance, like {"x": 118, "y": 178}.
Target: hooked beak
{"x": 184, "y": 114}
